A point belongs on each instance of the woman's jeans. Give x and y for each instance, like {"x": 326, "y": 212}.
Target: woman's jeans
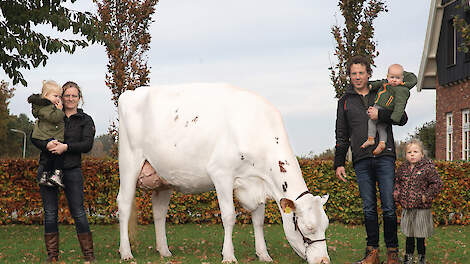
{"x": 73, "y": 181}
{"x": 379, "y": 170}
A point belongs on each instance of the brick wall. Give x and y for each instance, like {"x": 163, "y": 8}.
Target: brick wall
{"x": 451, "y": 99}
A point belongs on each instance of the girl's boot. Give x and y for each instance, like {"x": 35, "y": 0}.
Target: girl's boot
{"x": 421, "y": 259}
{"x": 408, "y": 259}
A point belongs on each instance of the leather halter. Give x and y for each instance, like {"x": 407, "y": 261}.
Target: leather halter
{"x": 307, "y": 240}
{"x": 302, "y": 194}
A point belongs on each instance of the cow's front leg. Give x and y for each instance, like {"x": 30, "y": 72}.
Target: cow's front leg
{"x": 160, "y": 201}
{"x": 257, "y": 217}
{"x": 227, "y": 210}
{"x": 224, "y": 189}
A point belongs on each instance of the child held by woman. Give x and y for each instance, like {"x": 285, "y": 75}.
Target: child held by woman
{"x": 47, "y": 108}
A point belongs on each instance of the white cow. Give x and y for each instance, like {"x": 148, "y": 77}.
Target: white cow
{"x": 204, "y": 136}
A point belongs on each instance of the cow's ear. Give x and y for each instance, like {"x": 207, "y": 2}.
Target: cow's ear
{"x": 287, "y": 205}
{"x": 324, "y": 198}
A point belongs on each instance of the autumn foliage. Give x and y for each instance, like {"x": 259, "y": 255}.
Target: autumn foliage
{"x": 6, "y": 93}
{"x": 127, "y": 39}
{"x": 356, "y": 37}
{"x": 462, "y": 25}
{"x": 23, "y": 44}
{"x": 125, "y": 26}
{"x": 20, "y": 201}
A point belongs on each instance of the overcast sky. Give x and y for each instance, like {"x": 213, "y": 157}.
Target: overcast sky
{"x": 279, "y": 49}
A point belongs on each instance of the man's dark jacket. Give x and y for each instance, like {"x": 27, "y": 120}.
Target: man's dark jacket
{"x": 79, "y": 135}
{"x": 351, "y": 127}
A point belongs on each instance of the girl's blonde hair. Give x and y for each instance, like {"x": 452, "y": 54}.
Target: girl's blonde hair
{"x": 50, "y": 86}
{"x": 418, "y": 143}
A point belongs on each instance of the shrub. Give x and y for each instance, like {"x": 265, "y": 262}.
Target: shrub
{"x": 20, "y": 201}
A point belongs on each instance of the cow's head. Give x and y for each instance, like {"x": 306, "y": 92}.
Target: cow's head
{"x": 305, "y": 222}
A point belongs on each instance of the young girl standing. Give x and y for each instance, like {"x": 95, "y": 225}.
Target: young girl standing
{"x": 416, "y": 185}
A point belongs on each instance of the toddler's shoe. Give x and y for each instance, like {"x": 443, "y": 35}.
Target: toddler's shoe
{"x": 56, "y": 178}
{"x": 43, "y": 180}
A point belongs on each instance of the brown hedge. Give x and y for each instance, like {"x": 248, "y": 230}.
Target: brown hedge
{"x": 20, "y": 201}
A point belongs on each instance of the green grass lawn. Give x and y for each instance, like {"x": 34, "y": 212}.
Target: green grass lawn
{"x": 192, "y": 243}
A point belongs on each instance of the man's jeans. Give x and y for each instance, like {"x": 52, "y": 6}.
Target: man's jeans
{"x": 368, "y": 172}
{"x": 73, "y": 181}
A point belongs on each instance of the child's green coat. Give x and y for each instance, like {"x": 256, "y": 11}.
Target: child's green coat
{"x": 394, "y": 97}
{"x": 50, "y": 120}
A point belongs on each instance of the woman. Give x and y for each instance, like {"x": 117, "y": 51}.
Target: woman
{"x": 78, "y": 138}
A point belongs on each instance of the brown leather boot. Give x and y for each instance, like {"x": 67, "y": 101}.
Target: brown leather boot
{"x": 371, "y": 256}
{"x": 52, "y": 246}
{"x": 86, "y": 243}
{"x": 392, "y": 256}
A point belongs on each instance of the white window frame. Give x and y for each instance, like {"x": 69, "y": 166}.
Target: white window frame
{"x": 449, "y": 137}
{"x": 455, "y": 45}
{"x": 452, "y": 42}
{"x": 466, "y": 134}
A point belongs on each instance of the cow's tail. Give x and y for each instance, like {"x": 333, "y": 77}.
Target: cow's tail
{"x": 133, "y": 224}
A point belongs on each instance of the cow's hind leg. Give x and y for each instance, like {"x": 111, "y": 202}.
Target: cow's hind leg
{"x": 125, "y": 200}
{"x": 160, "y": 201}
{"x": 257, "y": 217}
{"x": 129, "y": 168}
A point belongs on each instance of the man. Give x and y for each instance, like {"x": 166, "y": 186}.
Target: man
{"x": 354, "y": 109}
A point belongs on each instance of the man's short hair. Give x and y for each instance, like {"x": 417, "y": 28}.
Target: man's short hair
{"x": 358, "y": 59}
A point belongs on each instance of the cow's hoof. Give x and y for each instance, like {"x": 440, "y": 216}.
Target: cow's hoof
{"x": 265, "y": 258}
{"x": 125, "y": 253}
{"x": 127, "y": 256}
{"x": 165, "y": 253}
{"x": 230, "y": 260}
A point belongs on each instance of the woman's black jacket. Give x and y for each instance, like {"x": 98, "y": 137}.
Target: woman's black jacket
{"x": 78, "y": 135}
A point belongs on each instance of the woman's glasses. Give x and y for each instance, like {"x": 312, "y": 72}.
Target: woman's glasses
{"x": 70, "y": 96}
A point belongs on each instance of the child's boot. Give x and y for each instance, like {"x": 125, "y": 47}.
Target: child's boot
{"x": 408, "y": 259}
{"x": 380, "y": 147}
{"x": 369, "y": 142}
{"x": 43, "y": 179}
{"x": 421, "y": 259}
{"x": 56, "y": 178}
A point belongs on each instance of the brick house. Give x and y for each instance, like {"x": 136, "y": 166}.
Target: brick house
{"x": 447, "y": 70}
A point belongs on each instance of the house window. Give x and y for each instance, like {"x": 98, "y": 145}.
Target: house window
{"x": 451, "y": 43}
{"x": 466, "y": 134}
{"x": 449, "y": 137}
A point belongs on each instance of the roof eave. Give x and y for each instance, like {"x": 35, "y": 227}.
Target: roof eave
{"x": 428, "y": 68}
